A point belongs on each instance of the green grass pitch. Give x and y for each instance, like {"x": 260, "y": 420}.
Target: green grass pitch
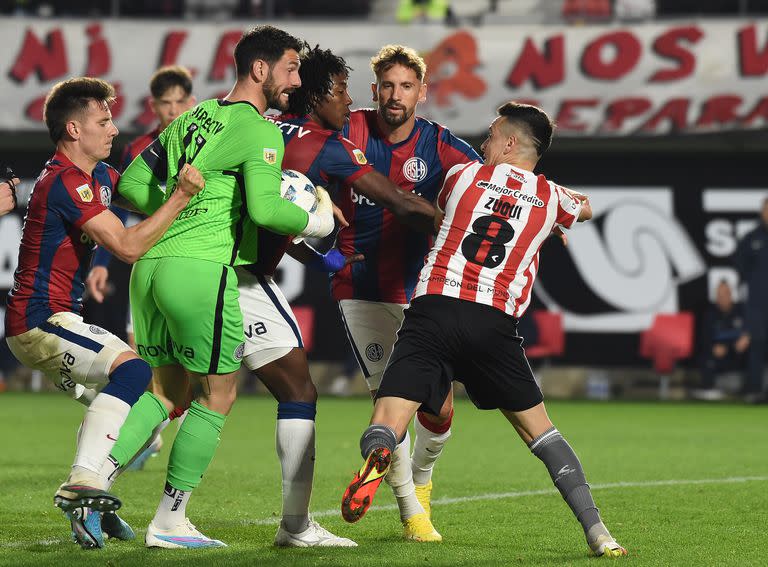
{"x": 677, "y": 484}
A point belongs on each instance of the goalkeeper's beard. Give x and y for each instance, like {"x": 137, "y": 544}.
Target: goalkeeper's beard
{"x": 272, "y": 94}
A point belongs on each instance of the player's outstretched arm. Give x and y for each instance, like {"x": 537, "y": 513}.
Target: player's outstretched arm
{"x": 130, "y": 244}
{"x": 409, "y": 208}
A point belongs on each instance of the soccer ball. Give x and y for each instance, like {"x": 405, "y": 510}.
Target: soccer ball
{"x": 298, "y": 189}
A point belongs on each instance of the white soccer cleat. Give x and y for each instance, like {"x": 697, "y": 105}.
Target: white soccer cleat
{"x": 183, "y": 536}
{"x": 606, "y": 546}
{"x": 314, "y": 536}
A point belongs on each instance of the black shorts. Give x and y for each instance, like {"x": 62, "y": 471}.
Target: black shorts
{"x": 444, "y": 339}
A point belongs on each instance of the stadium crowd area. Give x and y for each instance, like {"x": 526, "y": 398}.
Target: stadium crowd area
{"x": 384, "y": 11}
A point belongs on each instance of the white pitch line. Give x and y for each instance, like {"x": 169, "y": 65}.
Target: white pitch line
{"x": 461, "y": 499}
{"x": 545, "y": 492}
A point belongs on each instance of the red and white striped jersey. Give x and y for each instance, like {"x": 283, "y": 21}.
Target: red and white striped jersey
{"x": 496, "y": 220}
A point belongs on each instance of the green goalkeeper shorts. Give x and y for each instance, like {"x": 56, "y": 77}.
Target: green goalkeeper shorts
{"x": 186, "y": 311}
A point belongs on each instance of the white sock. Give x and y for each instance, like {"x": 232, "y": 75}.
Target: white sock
{"x": 111, "y": 470}
{"x": 399, "y": 478}
{"x": 180, "y": 420}
{"x": 427, "y": 447}
{"x": 295, "y": 441}
{"x": 98, "y": 433}
{"x": 172, "y": 510}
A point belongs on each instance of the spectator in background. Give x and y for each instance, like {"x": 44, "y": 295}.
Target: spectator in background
{"x": 724, "y": 342}
{"x": 752, "y": 262}
{"x": 409, "y": 11}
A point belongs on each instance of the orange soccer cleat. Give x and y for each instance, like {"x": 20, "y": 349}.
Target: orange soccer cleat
{"x": 359, "y": 494}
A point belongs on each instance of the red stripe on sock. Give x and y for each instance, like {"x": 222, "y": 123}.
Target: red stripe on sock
{"x": 438, "y": 428}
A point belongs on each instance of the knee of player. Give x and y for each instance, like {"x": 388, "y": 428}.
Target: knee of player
{"x": 128, "y": 379}
{"x": 303, "y": 392}
{"x": 222, "y": 398}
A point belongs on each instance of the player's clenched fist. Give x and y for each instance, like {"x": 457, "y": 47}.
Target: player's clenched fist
{"x": 7, "y": 195}
{"x": 191, "y": 181}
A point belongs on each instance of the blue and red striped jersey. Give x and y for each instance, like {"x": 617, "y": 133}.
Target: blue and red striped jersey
{"x": 55, "y": 254}
{"x": 325, "y": 157}
{"x": 394, "y": 253}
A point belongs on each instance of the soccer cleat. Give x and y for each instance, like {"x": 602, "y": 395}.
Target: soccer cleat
{"x": 183, "y": 536}
{"x": 424, "y": 496}
{"x": 115, "y": 527}
{"x": 152, "y": 451}
{"x": 71, "y": 496}
{"x": 314, "y": 536}
{"x": 606, "y": 546}
{"x": 86, "y": 527}
{"x": 419, "y": 528}
{"x": 359, "y": 494}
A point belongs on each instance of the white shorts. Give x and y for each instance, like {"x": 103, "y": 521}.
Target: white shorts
{"x": 372, "y": 331}
{"x": 69, "y": 352}
{"x": 270, "y": 327}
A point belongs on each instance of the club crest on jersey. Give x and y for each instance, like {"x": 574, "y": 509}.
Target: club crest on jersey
{"x": 85, "y": 193}
{"x": 360, "y": 156}
{"x": 374, "y": 352}
{"x": 105, "y": 193}
{"x": 415, "y": 169}
{"x": 270, "y": 155}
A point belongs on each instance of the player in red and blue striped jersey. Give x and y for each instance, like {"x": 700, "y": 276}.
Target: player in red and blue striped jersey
{"x": 416, "y": 154}
{"x": 55, "y": 253}
{"x": 66, "y": 216}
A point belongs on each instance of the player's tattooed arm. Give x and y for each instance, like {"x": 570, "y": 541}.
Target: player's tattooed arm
{"x": 409, "y": 208}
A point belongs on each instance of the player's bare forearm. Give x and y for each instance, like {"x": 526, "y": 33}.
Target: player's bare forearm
{"x": 302, "y": 252}
{"x": 409, "y": 208}
{"x": 130, "y": 244}
{"x": 142, "y": 236}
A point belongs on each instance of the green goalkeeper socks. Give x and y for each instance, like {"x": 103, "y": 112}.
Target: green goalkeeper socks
{"x": 194, "y": 447}
{"x": 146, "y": 414}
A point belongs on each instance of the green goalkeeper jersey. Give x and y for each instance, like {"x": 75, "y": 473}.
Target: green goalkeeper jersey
{"x": 239, "y": 154}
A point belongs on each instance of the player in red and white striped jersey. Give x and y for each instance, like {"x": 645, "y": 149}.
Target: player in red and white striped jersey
{"x": 462, "y": 322}
{"x": 496, "y": 219}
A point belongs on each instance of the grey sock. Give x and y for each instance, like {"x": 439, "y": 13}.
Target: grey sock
{"x": 566, "y": 472}
{"x": 377, "y": 436}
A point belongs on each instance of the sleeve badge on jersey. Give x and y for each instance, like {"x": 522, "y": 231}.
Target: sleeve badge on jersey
{"x": 360, "y": 156}
{"x": 106, "y": 196}
{"x": 85, "y": 193}
{"x": 270, "y": 156}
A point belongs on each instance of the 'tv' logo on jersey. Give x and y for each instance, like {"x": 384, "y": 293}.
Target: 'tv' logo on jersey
{"x": 288, "y": 129}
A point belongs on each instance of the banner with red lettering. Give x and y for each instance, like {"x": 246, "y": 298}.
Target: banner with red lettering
{"x": 679, "y": 77}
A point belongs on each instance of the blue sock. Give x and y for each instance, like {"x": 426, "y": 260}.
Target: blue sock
{"x": 129, "y": 381}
